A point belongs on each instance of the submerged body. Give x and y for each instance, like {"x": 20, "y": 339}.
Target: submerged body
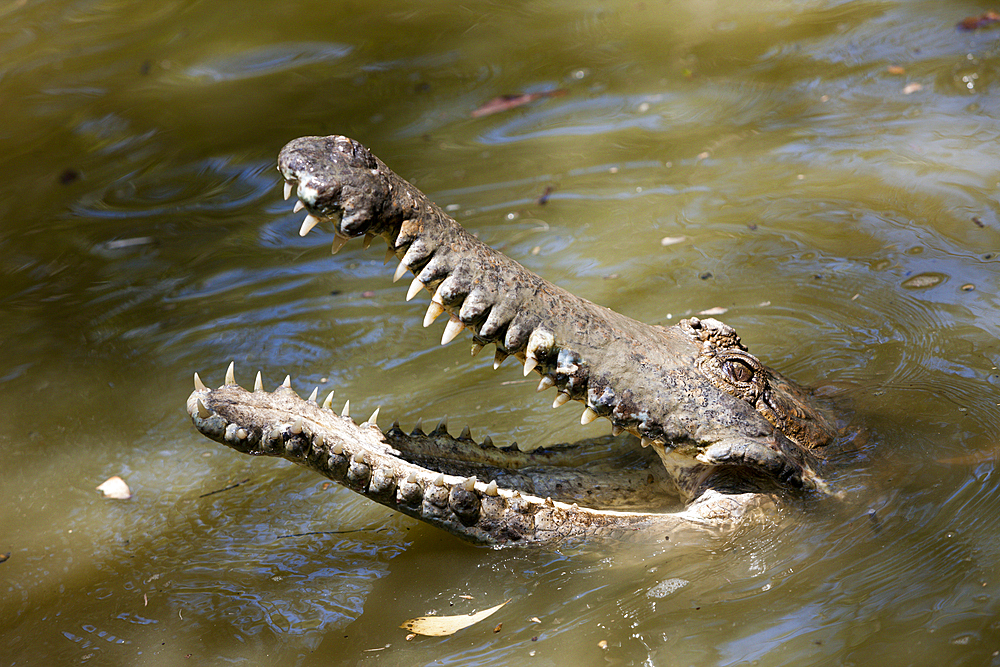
{"x": 716, "y": 432}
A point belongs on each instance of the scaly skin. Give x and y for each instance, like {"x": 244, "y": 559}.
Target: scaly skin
{"x": 719, "y": 420}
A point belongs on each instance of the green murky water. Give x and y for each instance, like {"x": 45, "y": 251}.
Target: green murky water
{"x": 844, "y": 214}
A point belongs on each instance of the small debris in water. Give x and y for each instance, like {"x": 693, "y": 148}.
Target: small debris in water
{"x": 672, "y": 240}
{"x": 706, "y": 275}
{"x": 115, "y": 487}
{"x": 896, "y": 70}
{"x": 923, "y": 281}
{"x": 968, "y": 287}
{"x": 535, "y": 619}
{"x": 978, "y": 221}
{"x": 976, "y": 22}
{"x": 498, "y": 627}
{"x": 507, "y": 102}
{"x": 69, "y": 175}
{"x": 4, "y": 557}
{"x": 603, "y": 644}
{"x": 718, "y": 310}
{"x": 666, "y": 587}
{"x": 545, "y": 195}
{"x": 911, "y": 88}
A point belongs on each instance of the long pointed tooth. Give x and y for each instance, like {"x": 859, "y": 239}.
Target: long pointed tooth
{"x": 203, "y": 412}
{"x": 498, "y": 359}
{"x": 328, "y": 401}
{"x": 287, "y": 384}
{"x": 452, "y": 329}
{"x": 470, "y": 483}
{"x": 476, "y": 348}
{"x": 373, "y": 420}
{"x": 389, "y": 254}
{"x": 297, "y": 426}
{"x": 198, "y": 384}
{"x": 545, "y": 383}
{"x": 491, "y": 488}
{"x": 231, "y": 373}
{"x": 400, "y": 271}
{"x": 443, "y": 424}
{"x": 307, "y": 224}
{"x": 313, "y": 395}
{"x": 338, "y": 243}
{"x": 288, "y": 190}
{"x": 439, "y": 480}
{"x": 646, "y": 442}
{"x": 466, "y": 433}
{"x": 433, "y": 310}
{"x": 487, "y": 441}
{"x": 587, "y": 416}
{"x": 529, "y": 365}
{"x": 414, "y": 288}
{"x": 258, "y": 383}
{"x": 346, "y": 412}
{"x": 367, "y": 243}
{"x": 298, "y": 206}
{"x": 561, "y": 399}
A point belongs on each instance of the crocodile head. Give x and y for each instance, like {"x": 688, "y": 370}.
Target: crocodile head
{"x": 723, "y": 427}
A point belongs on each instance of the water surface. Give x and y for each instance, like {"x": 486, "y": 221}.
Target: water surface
{"x": 827, "y": 173}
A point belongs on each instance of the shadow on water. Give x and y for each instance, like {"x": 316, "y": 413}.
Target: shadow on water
{"x": 823, "y": 175}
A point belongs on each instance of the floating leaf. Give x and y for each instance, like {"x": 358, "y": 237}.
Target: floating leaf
{"x": 115, "y": 487}
{"x": 441, "y": 626}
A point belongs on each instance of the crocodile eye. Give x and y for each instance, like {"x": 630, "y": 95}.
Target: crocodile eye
{"x": 737, "y": 371}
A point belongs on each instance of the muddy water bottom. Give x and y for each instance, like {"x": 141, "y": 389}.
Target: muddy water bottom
{"x": 822, "y": 176}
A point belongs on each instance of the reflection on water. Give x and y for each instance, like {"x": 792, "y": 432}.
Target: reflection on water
{"x": 830, "y": 169}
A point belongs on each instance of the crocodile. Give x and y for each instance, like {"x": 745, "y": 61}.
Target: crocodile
{"x": 702, "y": 432}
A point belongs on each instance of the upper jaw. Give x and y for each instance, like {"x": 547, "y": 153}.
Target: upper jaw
{"x": 337, "y": 179}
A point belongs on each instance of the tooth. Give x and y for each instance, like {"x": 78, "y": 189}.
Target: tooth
{"x": 411, "y": 478}
{"x": 439, "y": 480}
{"x": 469, "y": 484}
{"x": 587, "y": 416}
{"x": 297, "y": 426}
{"x": 442, "y": 425}
{"x": 433, "y": 310}
{"x": 466, "y": 433}
{"x": 346, "y": 412}
{"x": 487, "y": 441}
{"x": 312, "y": 396}
{"x": 258, "y": 384}
{"x": 646, "y": 442}
{"x": 337, "y": 448}
{"x": 529, "y": 365}
{"x": 414, "y": 288}
{"x": 419, "y": 426}
{"x": 545, "y": 383}
{"x": 367, "y": 243}
{"x": 616, "y": 429}
{"x": 288, "y": 190}
{"x": 373, "y": 420}
{"x": 400, "y": 271}
{"x": 338, "y": 243}
{"x": 491, "y": 488}
{"x": 359, "y": 457}
{"x": 307, "y": 224}
{"x": 476, "y": 347}
{"x": 389, "y": 254}
{"x": 561, "y": 399}
{"x": 231, "y": 373}
{"x": 287, "y": 384}
{"x": 198, "y": 384}
{"x": 328, "y": 403}
{"x": 498, "y": 359}
{"x": 298, "y": 206}
{"x": 452, "y": 329}
{"x": 203, "y": 411}
{"x": 241, "y": 433}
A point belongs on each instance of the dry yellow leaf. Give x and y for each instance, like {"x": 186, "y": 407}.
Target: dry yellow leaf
{"x": 441, "y": 626}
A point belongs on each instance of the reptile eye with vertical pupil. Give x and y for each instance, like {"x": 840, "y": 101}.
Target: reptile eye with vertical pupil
{"x": 737, "y": 371}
